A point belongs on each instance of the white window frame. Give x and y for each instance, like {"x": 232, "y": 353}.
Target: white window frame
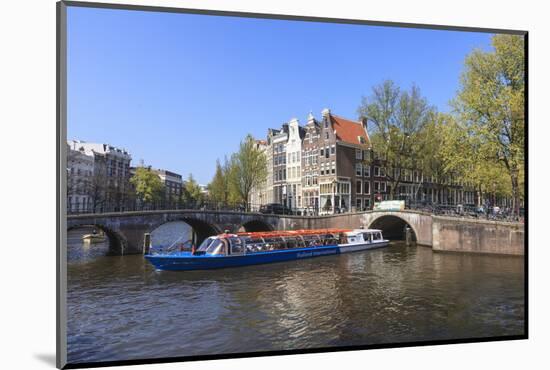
{"x": 358, "y": 169}
{"x": 366, "y": 171}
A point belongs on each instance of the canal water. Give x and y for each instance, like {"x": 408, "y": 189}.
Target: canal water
{"x": 120, "y": 308}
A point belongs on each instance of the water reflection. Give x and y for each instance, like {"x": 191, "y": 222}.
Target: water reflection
{"x": 121, "y": 308}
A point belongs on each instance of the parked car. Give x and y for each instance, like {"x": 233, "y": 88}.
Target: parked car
{"x": 275, "y": 208}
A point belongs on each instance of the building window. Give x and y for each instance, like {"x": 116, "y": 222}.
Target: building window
{"x": 327, "y": 152}
{"x": 359, "y": 187}
{"x": 359, "y": 203}
{"x": 358, "y": 154}
{"x": 383, "y": 187}
{"x": 333, "y": 149}
{"x": 326, "y": 135}
{"x": 377, "y": 171}
{"x": 358, "y": 169}
{"x": 366, "y": 170}
{"x": 376, "y": 186}
{"x": 382, "y": 172}
{"x": 367, "y": 187}
{"x": 366, "y": 154}
{"x": 367, "y": 203}
{"x": 322, "y": 152}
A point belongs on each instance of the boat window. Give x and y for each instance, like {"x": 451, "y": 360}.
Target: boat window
{"x": 216, "y": 247}
{"x": 237, "y": 246}
{"x": 274, "y": 243}
{"x": 300, "y": 242}
{"x": 329, "y": 239}
{"x": 204, "y": 245}
{"x": 367, "y": 237}
{"x": 311, "y": 240}
{"x": 376, "y": 236}
{"x": 291, "y": 243}
{"x": 254, "y": 245}
{"x": 343, "y": 239}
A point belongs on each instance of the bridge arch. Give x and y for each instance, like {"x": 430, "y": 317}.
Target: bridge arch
{"x": 201, "y": 228}
{"x": 393, "y": 227}
{"x": 255, "y": 225}
{"x": 117, "y": 241}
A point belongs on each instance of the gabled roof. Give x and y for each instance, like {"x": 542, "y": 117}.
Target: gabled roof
{"x": 352, "y": 132}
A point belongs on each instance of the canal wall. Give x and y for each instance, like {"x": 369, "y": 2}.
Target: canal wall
{"x": 477, "y": 236}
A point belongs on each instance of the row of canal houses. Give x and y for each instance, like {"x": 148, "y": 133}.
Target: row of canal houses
{"x": 325, "y": 167}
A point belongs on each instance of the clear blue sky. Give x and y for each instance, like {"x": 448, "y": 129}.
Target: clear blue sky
{"x": 180, "y": 90}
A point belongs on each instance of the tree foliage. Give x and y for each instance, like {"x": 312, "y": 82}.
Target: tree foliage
{"x": 191, "y": 192}
{"x": 148, "y": 186}
{"x": 464, "y": 155}
{"x": 395, "y": 120}
{"x": 490, "y": 106}
{"x": 248, "y": 169}
{"x": 219, "y": 189}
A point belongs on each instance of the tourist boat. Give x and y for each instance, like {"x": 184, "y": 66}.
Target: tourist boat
{"x": 251, "y": 248}
{"x": 362, "y": 239}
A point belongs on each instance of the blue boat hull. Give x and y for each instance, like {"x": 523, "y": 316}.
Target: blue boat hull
{"x": 186, "y": 261}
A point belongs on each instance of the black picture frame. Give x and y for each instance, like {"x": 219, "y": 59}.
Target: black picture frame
{"x": 61, "y": 109}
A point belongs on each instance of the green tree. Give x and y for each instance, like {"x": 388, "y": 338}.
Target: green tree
{"x": 395, "y": 119}
{"x": 465, "y": 154}
{"x": 429, "y": 143}
{"x": 192, "y": 193}
{"x": 219, "y": 188}
{"x": 490, "y": 104}
{"x": 248, "y": 169}
{"x": 148, "y": 187}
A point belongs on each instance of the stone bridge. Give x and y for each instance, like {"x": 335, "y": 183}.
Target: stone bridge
{"x": 126, "y": 230}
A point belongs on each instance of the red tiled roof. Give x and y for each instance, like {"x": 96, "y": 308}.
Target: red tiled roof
{"x": 350, "y": 131}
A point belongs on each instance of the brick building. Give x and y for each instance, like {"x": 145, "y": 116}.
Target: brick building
{"x": 328, "y": 166}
